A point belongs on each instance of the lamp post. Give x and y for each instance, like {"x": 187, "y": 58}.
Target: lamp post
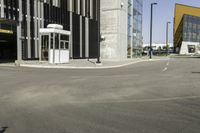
{"x": 151, "y": 25}
{"x": 167, "y": 33}
{"x": 99, "y": 34}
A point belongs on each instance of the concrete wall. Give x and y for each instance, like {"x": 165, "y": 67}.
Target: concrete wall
{"x": 114, "y": 29}
{"x": 184, "y": 48}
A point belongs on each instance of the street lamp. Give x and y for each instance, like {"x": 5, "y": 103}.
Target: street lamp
{"x": 99, "y": 33}
{"x": 151, "y": 20}
{"x": 167, "y": 33}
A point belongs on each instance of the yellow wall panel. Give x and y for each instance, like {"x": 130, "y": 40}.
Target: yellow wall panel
{"x": 180, "y": 10}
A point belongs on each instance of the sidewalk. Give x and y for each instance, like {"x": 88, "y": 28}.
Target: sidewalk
{"x": 184, "y": 56}
{"x": 85, "y": 64}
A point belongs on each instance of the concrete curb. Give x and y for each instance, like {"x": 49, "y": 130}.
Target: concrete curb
{"x": 7, "y": 65}
{"x": 96, "y": 67}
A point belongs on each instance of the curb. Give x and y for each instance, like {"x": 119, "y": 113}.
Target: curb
{"x": 97, "y": 67}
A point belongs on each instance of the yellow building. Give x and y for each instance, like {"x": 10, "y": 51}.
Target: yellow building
{"x": 186, "y": 29}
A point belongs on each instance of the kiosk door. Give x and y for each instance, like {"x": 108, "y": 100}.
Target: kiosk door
{"x": 45, "y": 47}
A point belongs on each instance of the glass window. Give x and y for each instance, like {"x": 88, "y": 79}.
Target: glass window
{"x": 191, "y": 28}
{"x": 191, "y": 48}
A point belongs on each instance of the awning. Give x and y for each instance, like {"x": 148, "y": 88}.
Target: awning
{"x": 44, "y": 31}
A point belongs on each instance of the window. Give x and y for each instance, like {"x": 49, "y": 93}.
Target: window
{"x": 191, "y": 48}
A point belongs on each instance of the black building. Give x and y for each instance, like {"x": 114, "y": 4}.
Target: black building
{"x": 20, "y": 21}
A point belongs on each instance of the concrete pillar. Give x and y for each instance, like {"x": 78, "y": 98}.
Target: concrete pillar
{"x": 91, "y": 8}
{"x": 40, "y": 48}
{"x": 19, "y": 31}
{"x": 39, "y": 11}
{"x": 71, "y": 37}
{"x": 53, "y": 47}
{"x": 86, "y": 37}
{"x": 2, "y": 8}
{"x": 39, "y": 25}
{"x": 42, "y": 14}
{"x": 81, "y": 37}
{"x": 28, "y": 29}
{"x": 36, "y": 28}
{"x": 78, "y": 6}
{"x": 70, "y": 6}
{"x": 71, "y": 29}
{"x": 83, "y": 8}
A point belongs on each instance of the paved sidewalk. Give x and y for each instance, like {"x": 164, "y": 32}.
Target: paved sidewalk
{"x": 85, "y": 63}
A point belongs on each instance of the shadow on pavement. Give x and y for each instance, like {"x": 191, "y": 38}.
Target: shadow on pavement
{"x": 91, "y": 61}
{"x": 195, "y": 72}
{"x": 3, "y": 129}
{"x": 182, "y": 56}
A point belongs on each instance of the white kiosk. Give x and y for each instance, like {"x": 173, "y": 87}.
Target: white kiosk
{"x": 54, "y": 44}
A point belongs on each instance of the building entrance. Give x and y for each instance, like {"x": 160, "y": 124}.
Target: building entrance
{"x": 8, "y": 41}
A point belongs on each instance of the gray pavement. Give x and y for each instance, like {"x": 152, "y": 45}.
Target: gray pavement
{"x": 147, "y": 97}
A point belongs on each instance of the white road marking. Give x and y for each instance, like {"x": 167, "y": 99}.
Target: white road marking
{"x": 165, "y": 69}
{"x": 168, "y": 63}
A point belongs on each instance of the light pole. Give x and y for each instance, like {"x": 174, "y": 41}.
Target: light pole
{"x": 167, "y": 30}
{"x": 99, "y": 32}
{"x": 151, "y": 25}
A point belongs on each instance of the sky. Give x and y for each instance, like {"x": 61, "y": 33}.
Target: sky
{"x": 163, "y": 12}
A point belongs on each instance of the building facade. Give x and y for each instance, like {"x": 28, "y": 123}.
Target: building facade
{"x": 136, "y": 28}
{"x": 121, "y": 25}
{"x": 187, "y": 30}
{"x": 22, "y": 19}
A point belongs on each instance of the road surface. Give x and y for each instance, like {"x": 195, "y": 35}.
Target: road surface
{"x": 148, "y": 97}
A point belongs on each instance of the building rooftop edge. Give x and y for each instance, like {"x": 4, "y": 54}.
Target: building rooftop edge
{"x": 187, "y": 5}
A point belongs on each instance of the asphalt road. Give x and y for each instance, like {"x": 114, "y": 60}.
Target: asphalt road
{"x": 148, "y": 97}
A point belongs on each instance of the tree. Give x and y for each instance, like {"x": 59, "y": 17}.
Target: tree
{"x": 159, "y": 50}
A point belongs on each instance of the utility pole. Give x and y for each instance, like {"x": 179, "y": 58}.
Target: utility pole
{"x": 99, "y": 32}
{"x": 167, "y": 33}
{"x": 151, "y": 29}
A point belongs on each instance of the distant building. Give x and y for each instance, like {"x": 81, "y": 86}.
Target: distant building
{"x": 158, "y": 47}
{"x": 187, "y": 29}
{"x": 121, "y": 25}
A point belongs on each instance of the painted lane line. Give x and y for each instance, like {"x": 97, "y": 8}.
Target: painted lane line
{"x": 139, "y": 100}
{"x": 165, "y": 69}
{"x": 168, "y": 63}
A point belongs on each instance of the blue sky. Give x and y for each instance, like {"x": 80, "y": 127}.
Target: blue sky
{"x": 163, "y": 12}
